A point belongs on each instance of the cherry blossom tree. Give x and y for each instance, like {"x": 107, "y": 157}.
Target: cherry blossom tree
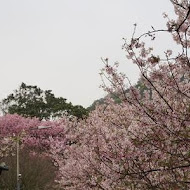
{"x": 143, "y": 142}
{"x": 31, "y": 132}
{"x": 36, "y": 164}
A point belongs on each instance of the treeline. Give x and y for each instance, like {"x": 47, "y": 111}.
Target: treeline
{"x": 32, "y": 101}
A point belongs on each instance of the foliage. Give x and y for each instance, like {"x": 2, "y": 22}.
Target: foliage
{"x": 95, "y": 103}
{"x": 140, "y": 85}
{"x": 78, "y": 111}
{"x": 143, "y": 142}
{"x": 31, "y": 101}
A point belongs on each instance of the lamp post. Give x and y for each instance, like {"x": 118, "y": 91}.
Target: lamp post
{"x": 17, "y": 154}
{"x": 17, "y": 162}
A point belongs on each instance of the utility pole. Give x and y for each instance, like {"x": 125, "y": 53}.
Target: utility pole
{"x": 18, "y": 138}
{"x": 17, "y": 162}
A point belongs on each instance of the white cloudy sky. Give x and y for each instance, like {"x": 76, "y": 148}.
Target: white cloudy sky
{"x": 58, "y": 44}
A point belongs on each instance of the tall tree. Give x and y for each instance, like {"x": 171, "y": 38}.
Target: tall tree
{"x": 31, "y": 101}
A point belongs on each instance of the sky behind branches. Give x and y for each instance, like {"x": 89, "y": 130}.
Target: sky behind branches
{"x": 58, "y": 44}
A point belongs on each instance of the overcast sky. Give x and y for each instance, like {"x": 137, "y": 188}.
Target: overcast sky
{"x": 58, "y": 44}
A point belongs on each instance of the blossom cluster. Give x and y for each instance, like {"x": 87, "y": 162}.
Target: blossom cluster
{"x": 142, "y": 142}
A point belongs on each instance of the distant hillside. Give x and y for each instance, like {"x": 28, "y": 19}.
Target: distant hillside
{"x": 139, "y": 85}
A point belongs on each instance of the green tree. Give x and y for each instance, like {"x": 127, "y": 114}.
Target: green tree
{"x": 31, "y": 101}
